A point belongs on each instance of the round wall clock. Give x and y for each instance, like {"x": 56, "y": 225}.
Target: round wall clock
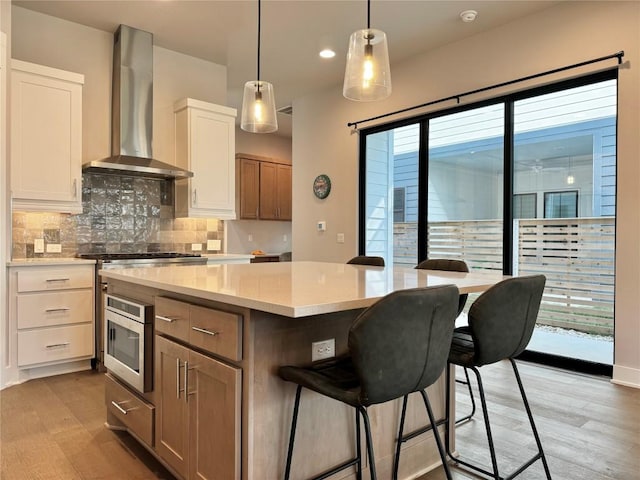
{"x": 322, "y": 186}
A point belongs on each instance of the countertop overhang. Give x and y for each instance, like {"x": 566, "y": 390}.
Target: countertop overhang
{"x": 296, "y": 289}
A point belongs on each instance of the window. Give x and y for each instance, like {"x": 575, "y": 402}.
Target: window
{"x": 524, "y": 205}
{"x": 561, "y": 204}
{"x": 398, "y": 204}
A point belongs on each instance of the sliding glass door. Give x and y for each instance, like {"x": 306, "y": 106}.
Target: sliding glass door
{"x": 524, "y": 184}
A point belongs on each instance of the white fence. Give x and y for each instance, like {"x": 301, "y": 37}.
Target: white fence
{"x": 576, "y": 255}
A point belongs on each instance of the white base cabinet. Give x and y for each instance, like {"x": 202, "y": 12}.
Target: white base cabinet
{"x": 46, "y": 138}
{"x": 51, "y": 314}
{"x": 205, "y": 145}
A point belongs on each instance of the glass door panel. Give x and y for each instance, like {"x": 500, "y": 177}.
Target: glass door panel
{"x": 564, "y": 216}
{"x": 465, "y": 190}
{"x": 391, "y": 195}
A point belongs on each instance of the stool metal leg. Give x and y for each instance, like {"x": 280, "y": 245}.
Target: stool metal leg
{"x": 358, "y": 447}
{"x": 467, "y": 382}
{"x": 434, "y": 426}
{"x": 396, "y": 462}
{"x": 292, "y": 435}
{"x": 532, "y": 423}
{"x": 367, "y": 430}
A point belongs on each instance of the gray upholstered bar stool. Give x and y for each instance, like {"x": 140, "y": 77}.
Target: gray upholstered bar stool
{"x": 501, "y": 322}
{"x": 367, "y": 260}
{"x": 397, "y": 346}
{"x": 451, "y": 265}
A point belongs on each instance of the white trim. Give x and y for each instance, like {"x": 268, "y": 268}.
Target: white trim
{"x": 5, "y": 214}
{"x": 627, "y": 376}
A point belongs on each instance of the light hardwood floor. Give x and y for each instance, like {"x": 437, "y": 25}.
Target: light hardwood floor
{"x": 53, "y": 428}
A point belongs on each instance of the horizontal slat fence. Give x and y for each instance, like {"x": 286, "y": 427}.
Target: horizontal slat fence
{"x": 576, "y": 255}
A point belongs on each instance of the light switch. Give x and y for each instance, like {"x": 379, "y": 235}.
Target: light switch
{"x": 38, "y": 245}
{"x": 322, "y": 226}
{"x": 54, "y": 248}
{"x": 213, "y": 245}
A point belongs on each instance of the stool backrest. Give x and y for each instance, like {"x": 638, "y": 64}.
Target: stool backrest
{"x": 367, "y": 260}
{"x": 401, "y": 343}
{"x": 502, "y": 319}
{"x": 448, "y": 265}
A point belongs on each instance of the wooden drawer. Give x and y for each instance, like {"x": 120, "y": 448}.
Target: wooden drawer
{"x": 58, "y": 278}
{"x": 172, "y": 318}
{"x": 216, "y": 332}
{"x": 130, "y": 409}
{"x": 55, "y": 344}
{"x": 55, "y": 308}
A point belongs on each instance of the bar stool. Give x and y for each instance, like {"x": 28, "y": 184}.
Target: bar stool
{"x": 451, "y": 265}
{"x": 396, "y": 346}
{"x": 501, "y": 322}
{"x": 367, "y": 260}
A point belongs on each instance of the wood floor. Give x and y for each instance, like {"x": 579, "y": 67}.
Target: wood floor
{"x": 54, "y": 429}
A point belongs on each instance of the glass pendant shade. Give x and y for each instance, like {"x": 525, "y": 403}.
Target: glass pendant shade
{"x": 258, "y": 108}
{"x": 367, "y": 76}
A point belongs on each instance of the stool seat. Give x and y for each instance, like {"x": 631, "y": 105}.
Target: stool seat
{"x": 334, "y": 378}
{"x": 463, "y": 350}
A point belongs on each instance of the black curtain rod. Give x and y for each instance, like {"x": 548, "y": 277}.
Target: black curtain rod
{"x": 618, "y": 55}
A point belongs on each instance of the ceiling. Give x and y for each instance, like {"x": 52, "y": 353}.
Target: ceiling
{"x": 293, "y": 32}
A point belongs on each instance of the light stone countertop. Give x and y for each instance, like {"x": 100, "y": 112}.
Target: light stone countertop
{"x": 227, "y": 257}
{"x": 296, "y": 289}
{"x": 41, "y": 262}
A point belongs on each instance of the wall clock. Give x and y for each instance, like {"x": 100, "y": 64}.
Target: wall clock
{"x": 322, "y": 186}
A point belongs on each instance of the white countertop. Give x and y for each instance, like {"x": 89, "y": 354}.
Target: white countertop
{"x": 296, "y": 289}
{"x": 227, "y": 257}
{"x": 35, "y": 262}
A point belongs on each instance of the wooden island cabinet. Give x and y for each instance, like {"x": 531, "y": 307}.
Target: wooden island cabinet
{"x": 263, "y": 188}
{"x": 221, "y": 332}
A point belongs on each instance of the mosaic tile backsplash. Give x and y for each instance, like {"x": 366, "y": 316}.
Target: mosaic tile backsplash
{"x": 120, "y": 214}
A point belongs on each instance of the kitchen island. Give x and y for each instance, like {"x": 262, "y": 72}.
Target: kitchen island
{"x": 258, "y": 317}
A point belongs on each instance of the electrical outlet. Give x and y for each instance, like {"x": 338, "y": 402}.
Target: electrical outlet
{"x": 284, "y": 238}
{"x": 38, "y": 245}
{"x": 250, "y": 237}
{"x": 323, "y": 349}
{"x": 213, "y": 245}
{"x": 196, "y": 247}
{"x": 340, "y": 238}
{"x": 54, "y": 248}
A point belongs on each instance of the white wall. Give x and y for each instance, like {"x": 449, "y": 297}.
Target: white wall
{"x": 57, "y": 43}
{"x": 567, "y": 33}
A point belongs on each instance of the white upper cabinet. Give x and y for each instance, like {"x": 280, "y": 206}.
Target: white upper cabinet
{"x": 205, "y": 145}
{"x": 46, "y": 138}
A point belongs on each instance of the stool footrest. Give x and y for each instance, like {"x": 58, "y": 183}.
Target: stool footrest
{"x": 336, "y": 469}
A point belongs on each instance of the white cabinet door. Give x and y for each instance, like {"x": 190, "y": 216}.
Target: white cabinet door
{"x": 46, "y": 138}
{"x": 205, "y": 145}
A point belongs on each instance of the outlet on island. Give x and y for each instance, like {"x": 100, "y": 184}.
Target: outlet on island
{"x": 323, "y": 349}
{"x": 196, "y": 247}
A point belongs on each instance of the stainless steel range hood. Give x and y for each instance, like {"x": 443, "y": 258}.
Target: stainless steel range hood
{"x": 131, "y": 111}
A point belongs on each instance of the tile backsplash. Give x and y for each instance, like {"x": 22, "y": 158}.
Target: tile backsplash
{"x": 120, "y": 214}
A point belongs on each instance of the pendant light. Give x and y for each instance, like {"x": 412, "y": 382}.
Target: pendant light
{"x": 367, "y": 76}
{"x": 258, "y": 102}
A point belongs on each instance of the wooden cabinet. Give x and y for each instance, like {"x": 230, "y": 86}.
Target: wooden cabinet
{"x": 264, "y": 188}
{"x": 52, "y": 307}
{"x": 46, "y": 138}
{"x": 205, "y": 145}
{"x": 198, "y": 398}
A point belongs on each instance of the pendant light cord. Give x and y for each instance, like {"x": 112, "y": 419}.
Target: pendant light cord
{"x": 259, "y": 15}
{"x": 368, "y": 14}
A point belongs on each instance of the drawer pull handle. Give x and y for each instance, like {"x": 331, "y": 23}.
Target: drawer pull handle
{"x": 202, "y": 330}
{"x": 57, "y": 279}
{"x": 178, "y": 378}
{"x": 166, "y": 319}
{"x": 62, "y": 309}
{"x": 122, "y": 410}
{"x": 58, "y": 345}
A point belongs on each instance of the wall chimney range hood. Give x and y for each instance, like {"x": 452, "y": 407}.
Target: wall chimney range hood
{"x": 131, "y": 111}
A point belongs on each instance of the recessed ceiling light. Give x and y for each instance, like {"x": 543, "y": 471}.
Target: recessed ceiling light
{"x": 327, "y": 53}
{"x": 468, "y": 15}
